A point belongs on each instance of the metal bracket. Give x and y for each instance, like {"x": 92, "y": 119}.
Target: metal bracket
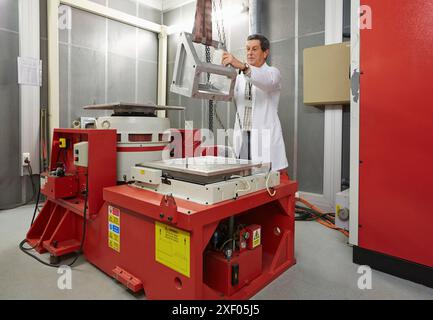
{"x": 168, "y": 209}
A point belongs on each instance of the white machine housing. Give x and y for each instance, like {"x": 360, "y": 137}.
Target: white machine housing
{"x": 139, "y": 139}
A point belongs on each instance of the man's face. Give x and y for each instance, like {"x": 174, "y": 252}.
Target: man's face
{"x": 255, "y": 55}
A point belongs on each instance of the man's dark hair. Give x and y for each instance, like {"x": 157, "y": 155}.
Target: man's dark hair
{"x": 264, "y": 42}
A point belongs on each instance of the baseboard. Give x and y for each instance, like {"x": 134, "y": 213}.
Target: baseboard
{"x": 395, "y": 266}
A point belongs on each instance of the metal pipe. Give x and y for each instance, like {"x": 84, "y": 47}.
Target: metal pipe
{"x": 254, "y": 15}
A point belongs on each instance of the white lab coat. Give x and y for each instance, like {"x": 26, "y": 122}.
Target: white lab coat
{"x": 267, "y": 144}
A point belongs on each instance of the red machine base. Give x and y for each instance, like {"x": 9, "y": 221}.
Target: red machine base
{"x": 124, "y": 241}
{"x": 136, "y": 248}
{"x": 57, "y": 230}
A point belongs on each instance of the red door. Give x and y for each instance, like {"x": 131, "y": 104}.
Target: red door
{"x": 396, "y": 130}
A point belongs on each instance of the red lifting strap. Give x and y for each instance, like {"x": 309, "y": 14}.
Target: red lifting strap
{"x": 202, "y": 32}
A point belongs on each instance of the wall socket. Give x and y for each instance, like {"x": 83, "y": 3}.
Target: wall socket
{"x": 25, "y": 156}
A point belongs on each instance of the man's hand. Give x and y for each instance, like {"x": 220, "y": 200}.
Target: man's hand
{"x": 229, "y": 59}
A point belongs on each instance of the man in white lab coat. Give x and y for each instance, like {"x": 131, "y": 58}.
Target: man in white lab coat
{"x": 257, "y": 95}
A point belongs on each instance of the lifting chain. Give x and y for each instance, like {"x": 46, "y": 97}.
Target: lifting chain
{"x": 222, "y": 39}
{"x": 211, "y": 102}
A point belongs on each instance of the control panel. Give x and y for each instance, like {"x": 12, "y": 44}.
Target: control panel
{"x": 81, "y": 154}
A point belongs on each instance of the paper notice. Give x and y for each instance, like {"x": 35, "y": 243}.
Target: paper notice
{"x": 29, "y": 71}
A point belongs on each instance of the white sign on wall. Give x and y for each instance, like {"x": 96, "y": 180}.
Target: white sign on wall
{"x": 30, "y": 71}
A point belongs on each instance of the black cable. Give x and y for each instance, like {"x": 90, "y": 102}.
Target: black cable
{"x": 37, "y": 204}
{"x": 34, "y": 215}
{"x": 31, "y": 180}
{"x": 27, "y": 249}
{"x": 302, "y": 217}
{"x": 33, "y": 219}
{"x": 308, "y": 214}
{"x": 77, "y": 253}
{"x": 313, "y": 216}
{"x": 65, "y": 159}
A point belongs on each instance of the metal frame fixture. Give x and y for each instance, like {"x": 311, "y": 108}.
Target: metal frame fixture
{"x": 189, "y": 71}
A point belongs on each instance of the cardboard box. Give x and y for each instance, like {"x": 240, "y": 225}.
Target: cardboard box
{"x": 327, "y": 75}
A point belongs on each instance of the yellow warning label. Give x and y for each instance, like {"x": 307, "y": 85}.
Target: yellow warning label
{"x": 142, "y": 172}
{"x": 114, "y": 245}
{"x": 256, "y": 238}
{"x": 114, "y": 219}
{"x": 114, "y": 236}
{"x": 114, "y": 228}
{"x": 172, "y": 248}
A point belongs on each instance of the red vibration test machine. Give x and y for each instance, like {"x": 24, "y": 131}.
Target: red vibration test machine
{"x": 173, "y": 232}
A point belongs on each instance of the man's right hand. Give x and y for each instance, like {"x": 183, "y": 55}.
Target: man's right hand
{"x": 229, "y": 59}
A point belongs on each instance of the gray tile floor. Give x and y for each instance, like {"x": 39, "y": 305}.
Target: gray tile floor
{"x": 324, "y": 270}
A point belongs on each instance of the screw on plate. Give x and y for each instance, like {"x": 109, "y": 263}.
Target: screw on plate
{"x": 161, "y": 215}
{"x": 170, "y": 219}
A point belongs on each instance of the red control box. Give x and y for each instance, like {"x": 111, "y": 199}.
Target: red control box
{"x": 59, "y": 187}
{"x": 229, "y": 276}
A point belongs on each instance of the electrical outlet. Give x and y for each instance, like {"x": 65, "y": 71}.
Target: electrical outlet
{"x": 25, "y": 156}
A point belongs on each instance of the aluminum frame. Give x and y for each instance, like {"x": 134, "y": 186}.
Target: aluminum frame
{"x": 187, "y": 75}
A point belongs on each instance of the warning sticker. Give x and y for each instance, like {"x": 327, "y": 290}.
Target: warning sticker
{"x": 114, "y": 228}
{"x": 113, "y": 219}
{"x": 256, "y": 238}
{"x": 172, "y": 248}
{"x": 114, "y": 245}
